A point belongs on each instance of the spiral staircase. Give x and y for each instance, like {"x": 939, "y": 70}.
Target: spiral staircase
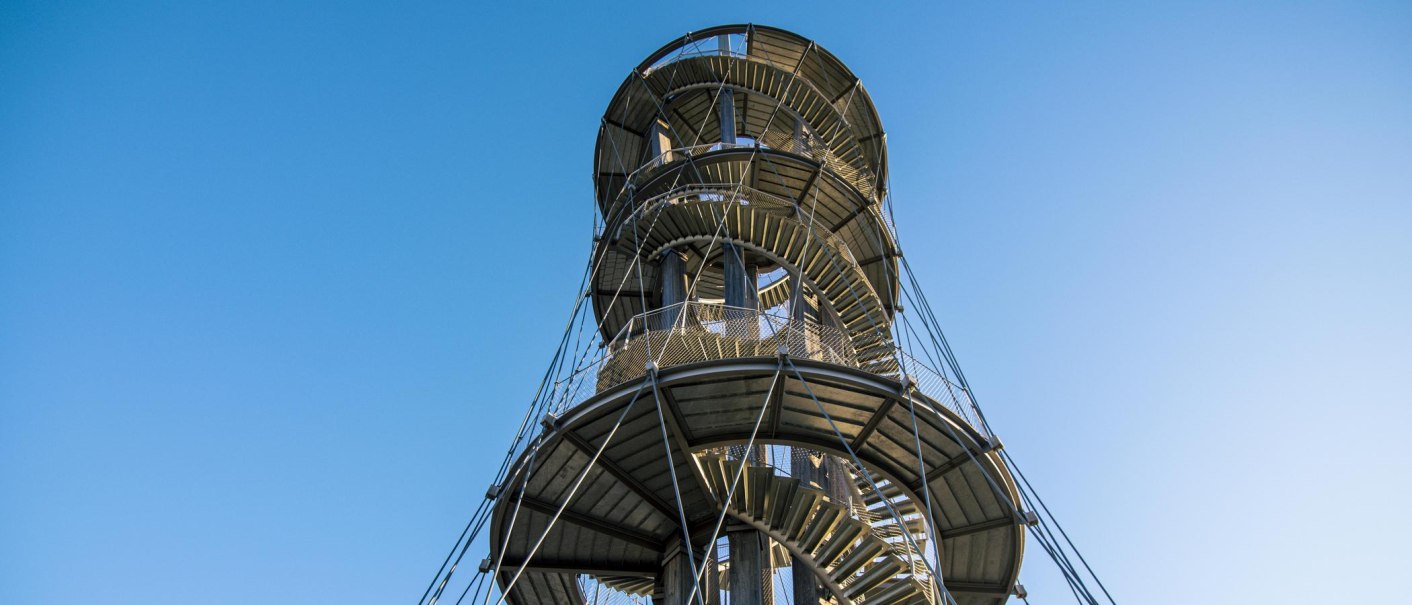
{"x": 744, "y": 286}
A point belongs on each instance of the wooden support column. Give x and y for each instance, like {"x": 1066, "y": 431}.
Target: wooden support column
{"x": 677, "y": 583}
{"x": 659, "y": 141}
{"x": 748, "y": 547}
{"x": 801, "y": 137}
{"x": 671, "y": 273}
{"x": 750, "y": 567}
{"x": 803, "y": 341}
{"x": 810, "y": 470}
{"x": 741, "y": 291}
{"x": 725, "y": 101}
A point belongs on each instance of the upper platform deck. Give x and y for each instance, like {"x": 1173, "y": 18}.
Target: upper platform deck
{"x": 788, "y": 93}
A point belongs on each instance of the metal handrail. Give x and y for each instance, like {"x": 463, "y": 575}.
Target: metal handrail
{"x": 704, "y": 47}
{"x": 861, "y": 177}
{"x": 939, "y": 388}
{"x": 698, "y": 331}
{"x": 667, "y": 156}
{"x": 695, "y": 331}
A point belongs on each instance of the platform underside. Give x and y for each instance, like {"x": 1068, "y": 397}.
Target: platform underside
{"x": 623, "y": 516}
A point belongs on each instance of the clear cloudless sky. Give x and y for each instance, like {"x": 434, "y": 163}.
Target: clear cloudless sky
{"x": 277, "y": 279}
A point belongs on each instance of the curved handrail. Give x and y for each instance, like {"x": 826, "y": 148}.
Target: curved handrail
{"x": 811, "y": 147}
{"x": 696, "y": 331}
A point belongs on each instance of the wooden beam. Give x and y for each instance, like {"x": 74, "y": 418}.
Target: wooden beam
{"x": 870, "y": 137}
{"x": 656, "y": 100}
{"x": 852, "y": 215}
{"x": 624, "y": 477}
{"x": 873, "y": 259}
{"x": 542, "y": 564}
{"x": 623, "y": 127}
{"x": 675, "y": 421}
{"x": 630, "y": 293}
{"x": 603, "y": 526}
{"x": 967, "y": 530}
{"x": 873, "y": 423}
{"x": 943, "y": 468}
{"x": 809, "y": 184}
{"x": 800, "y": 65}
{"x": 845, "y": 92}
{"x": 695, "y": 131}
{"x": 976, "y": 587}
{"x": 777, "y": 406}
{"x": 671, "y": 415}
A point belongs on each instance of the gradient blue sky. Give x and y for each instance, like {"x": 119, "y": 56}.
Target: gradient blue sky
{"x": 269, "y": 312}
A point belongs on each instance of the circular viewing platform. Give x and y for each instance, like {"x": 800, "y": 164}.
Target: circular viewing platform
{"x": 693, "y": 332}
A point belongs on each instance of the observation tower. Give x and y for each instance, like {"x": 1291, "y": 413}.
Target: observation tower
{"x": 741, "y": 410}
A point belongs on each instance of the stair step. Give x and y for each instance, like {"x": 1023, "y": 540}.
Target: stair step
{"x": 826, "y": 530}
{"x": 794, "y": 524}
{"x": 782, "y": 497}
{"x": 895, "y": 592}
{"x": 904, "y": 507}
{"x": 757, "y": 496}
{"x": 842, "y": 537}
{"x": 875, "y": 575}
{"x": 628, "y": 584}
{"x": 865, "y": 551}
{"x": 825, "y": 519}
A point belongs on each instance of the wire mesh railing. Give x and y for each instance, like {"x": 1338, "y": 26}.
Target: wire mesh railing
{"x": 938, "y": 388}
{"x": 694, "y": 331}
{"x": 677, "y": 153}
{"x": 735, "y": 46}
{"x": 854, "y": 170}
{"x": 697, "y": 331}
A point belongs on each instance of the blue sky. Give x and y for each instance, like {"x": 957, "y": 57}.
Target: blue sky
{"x": 277, "y": 279}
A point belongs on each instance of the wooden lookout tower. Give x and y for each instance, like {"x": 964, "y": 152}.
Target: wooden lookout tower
{"x": 741, "y": 411}
{"x": 747, "y": 429}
